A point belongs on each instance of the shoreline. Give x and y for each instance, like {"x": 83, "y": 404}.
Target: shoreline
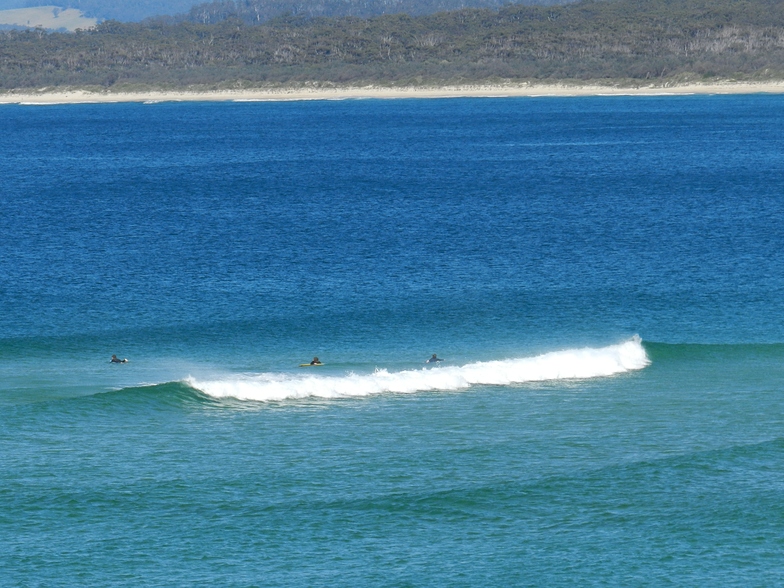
{"x": 77, "y": 96}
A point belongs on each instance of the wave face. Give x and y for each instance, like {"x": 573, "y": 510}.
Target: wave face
{"x": 557, "y": 365}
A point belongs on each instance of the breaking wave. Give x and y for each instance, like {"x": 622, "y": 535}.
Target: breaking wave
{"x": 558, "y": 365}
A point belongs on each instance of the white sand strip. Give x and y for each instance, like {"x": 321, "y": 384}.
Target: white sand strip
{"x": 53, "y": 96}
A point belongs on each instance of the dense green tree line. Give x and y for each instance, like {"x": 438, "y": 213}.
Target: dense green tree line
{"x": 618, "y": 39}
{"x": 255, "y": 12}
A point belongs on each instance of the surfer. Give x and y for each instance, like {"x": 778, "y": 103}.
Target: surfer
{"x": 315, "y": 361}
{"x": 116, "y": 359}
{"x": 434, "y": 359}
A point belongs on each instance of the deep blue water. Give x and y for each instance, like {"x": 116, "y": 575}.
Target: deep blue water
{"x": 602, "y": 277}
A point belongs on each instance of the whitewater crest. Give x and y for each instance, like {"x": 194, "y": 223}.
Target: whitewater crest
{"x": 557, "y": 365}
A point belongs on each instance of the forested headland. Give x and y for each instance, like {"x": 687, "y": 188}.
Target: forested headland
{"x": 622, "y": 40}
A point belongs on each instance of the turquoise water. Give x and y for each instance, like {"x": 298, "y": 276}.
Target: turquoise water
{"x": 601, "y": 276}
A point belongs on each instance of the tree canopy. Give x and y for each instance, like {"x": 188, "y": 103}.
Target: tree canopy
{"x": 590, "y": 40}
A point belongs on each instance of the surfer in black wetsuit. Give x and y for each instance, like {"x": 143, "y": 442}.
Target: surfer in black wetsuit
{"x": 315, "y": 361}
{"x": 116, "y": 359}
{"x": 434, "y": 359}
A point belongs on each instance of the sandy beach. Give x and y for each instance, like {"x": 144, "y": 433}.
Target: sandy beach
{"x": 46, "y": 96}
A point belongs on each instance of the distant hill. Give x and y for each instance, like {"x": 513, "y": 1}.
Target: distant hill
{"x": 254, "y": 12}
{"x": 47, "y": 17}
{"x": 122, "y": 10}
{"x": 634, "y": 41}
{"x": 258, "y": 11}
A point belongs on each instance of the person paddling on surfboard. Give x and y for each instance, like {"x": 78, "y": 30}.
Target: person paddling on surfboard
{"x": 116, "y": 359}
{"x": 434, "y": 359}
{"x": 316, "y": 361}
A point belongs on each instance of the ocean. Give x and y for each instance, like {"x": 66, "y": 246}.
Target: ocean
{"x": 602, "y": 277}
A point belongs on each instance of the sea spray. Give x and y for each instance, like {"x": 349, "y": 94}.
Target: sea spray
{"x": 557, "y": 365}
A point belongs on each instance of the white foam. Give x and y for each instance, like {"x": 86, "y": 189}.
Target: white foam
{"x": 557, "y": 365}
